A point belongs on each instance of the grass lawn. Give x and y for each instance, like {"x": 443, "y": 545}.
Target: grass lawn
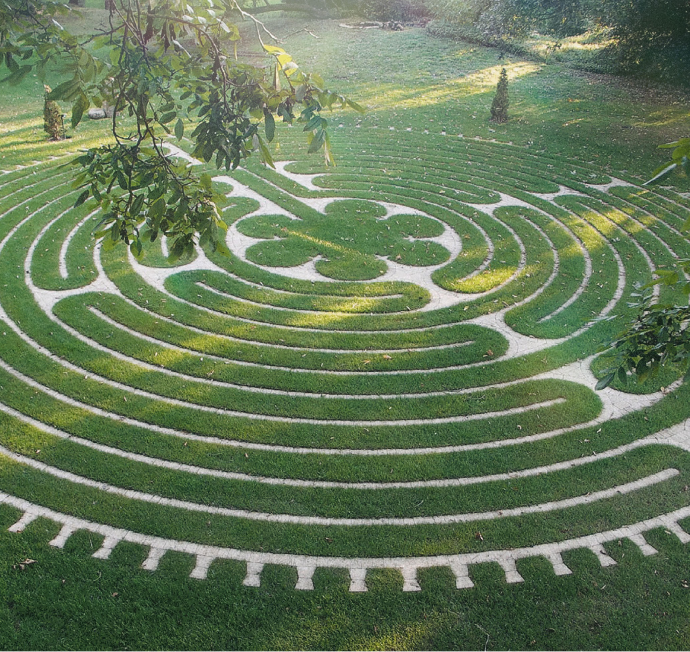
{"x": 374, "y": 426}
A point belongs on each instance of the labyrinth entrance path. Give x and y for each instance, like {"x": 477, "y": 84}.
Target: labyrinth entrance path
{"x": 395, "y": 369}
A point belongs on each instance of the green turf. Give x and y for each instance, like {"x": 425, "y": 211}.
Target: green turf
{"x": 309, "y": 401}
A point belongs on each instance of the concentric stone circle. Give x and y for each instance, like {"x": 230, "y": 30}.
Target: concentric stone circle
{"x": 429, "y": 413}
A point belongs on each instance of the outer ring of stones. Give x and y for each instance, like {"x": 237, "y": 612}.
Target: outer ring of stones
{"x": 358, "y": 568}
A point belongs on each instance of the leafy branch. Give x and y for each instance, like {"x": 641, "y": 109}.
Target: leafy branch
{"x": 162, "y": 65}
{"x": 680, "y": 160}
{"x": 660, "y": 334}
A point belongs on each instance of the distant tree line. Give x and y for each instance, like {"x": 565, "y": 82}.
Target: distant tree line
{"x": 650, "y": 37}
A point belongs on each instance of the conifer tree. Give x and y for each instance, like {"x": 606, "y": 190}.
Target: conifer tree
{"x": 53, "y": 123}
{"x": 499, "y": 107}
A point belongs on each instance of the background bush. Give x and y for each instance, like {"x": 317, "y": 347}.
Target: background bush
{"x": 651, "y": 37}
{"x": 404, "y": 11}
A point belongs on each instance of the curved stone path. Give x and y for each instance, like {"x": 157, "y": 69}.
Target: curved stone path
{"x": 413, "y": 386}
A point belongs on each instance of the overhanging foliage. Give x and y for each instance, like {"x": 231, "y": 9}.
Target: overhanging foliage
{"x": 161, "y": 65}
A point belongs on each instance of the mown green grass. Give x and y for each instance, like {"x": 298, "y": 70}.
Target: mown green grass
{"x": 110, "y": 605}
{"x": 357, "y": 352}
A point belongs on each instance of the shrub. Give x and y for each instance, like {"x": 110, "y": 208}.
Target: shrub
{"x": 516, "y": 18}
{"x": 53, "y": 123}
{"x": 653, "y": 39}
{"x": 404, "y": 11}
{"x": 499, "y": 107}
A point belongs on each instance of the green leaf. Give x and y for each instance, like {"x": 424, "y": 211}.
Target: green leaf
{"x": 206, "y": 181}
{"x": 11, "y": 64}
{"x": 17, "y": 76}
{"x": 286, "y": 115}
{"x": 265, "y": 154}
{"x": 80, "y": 105}
{"x": 136, "y": 249}
{"x": 82, "y": 198}
{"x": 355, "y": 106}
{"x": 661, "y": 172}
{"x": 327, "y": 150}
{"x": 108, "y": 244}
{"x": 137, "y": 205}
{"x": 605, "y": 381}
{"x": 270, "y": 125}
{"x": 179, "y": 129}
{"x": 157, "y": 208}
{"x": 147, "y": 234}
{"x": 64, "y": 91}
{"x": 167, "y": 117}
{"x": 221, "y": 248}
{"x": 314, "y": 123}
{"x": 683, "y": 142}
{"x": 317, "y": 141}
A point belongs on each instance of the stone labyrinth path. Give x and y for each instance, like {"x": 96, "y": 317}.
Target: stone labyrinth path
{"x": 394, "y": 370}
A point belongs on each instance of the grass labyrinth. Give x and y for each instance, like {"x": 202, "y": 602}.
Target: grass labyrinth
{"x": 394, "y": 370}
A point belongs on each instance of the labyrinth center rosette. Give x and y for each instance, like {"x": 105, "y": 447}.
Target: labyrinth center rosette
{"x": 394, "y": 368}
